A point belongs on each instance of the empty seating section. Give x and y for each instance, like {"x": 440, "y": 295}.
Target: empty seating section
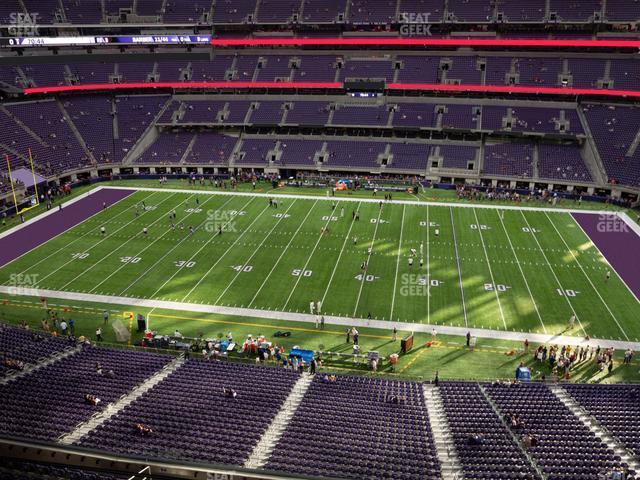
{"x": 614, "y": 129}
{"x": 233, "y": 11}
{"x": 256, "y": 151}
{"x": 430, "y": 11}
{"x": 361, "y": 115}
{"x": 323, "y": 11}
{"x": 566, "y": 449}
{"x": 205, "y": 112}
{"x": 579, "y": 11}
{"x": 93, "y": 118}
{"x": 471, "y": 10}
{"x": 191, "y": 400}
{"x": 367, "y": 12}
{"x": 517, "y": 11}
{"x": 57, "y": 148}
{"x": 562, "y": 162}
{"x": 418, "y": 115}
{"x": 463, "y": 117}
{"x": 278, "y": 11}
{"x": 25, "y": 470}
{"x": 135, "y": 114}
{"x": 352, "y": 429}
{"x": 168, "y": 148}
{"x": 353, "y": 154}
{"x": 458, "y": 156}
{"x": 268, "y": 113}
{"x": 469, "y": 413}
{"x": 299, "y": 152}
{"x": 531, "y": 119}
{"x": 624, "y": 73}
{"x": 211, "y": 148}
{"x": 308, "y": 113}
{"x": 509, "y": 160}
{"x": 372, "y": 11}
{"x": 410, "y": 156}
{"x": 27, "y": 346}
{"x": 616, "y": 407}
{"x": 50, "y": 402}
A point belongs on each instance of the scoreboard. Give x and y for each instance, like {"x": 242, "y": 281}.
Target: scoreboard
{"x": 106, "y": 40}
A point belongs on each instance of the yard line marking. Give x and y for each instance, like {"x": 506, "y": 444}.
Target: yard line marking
{"x": 486, "y": 256}
{"x": 524, "y": 277}
{"x": 455, "y": 245}
{"x": 83, "y": 235}
{"x": 104, "y": 240}
{"x": 256, "y": 250}
{"x": 282, "y": 254}
{"x": 337, "y": 263}
{"x": 553, "y": 273}
{"x": 587, "y": 276}
{"x": 428, "y": 273}
{"x": 309, "y": 259}
{"x": 395, "y": 283}
{"x": 364, "y": 274}
{"x": 142, "y": 275}
{"x": 221, "y": 256}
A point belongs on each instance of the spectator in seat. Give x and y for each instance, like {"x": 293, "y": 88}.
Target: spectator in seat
{"x": 229, "y": 392}
{"x": 143, "y": 429}
{"x": 91, "y": 399}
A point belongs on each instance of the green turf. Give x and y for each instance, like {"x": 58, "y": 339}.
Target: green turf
{"x": 449, "y": 355}
{"x": 520, "y": 270}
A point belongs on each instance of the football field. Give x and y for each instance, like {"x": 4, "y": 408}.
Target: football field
{"x": 499, "y": 269}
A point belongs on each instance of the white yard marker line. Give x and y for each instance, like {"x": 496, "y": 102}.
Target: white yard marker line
{"x": 455, "y": 245}
{"x": 149, "y": 246}
{"x": 306, "y": 264}
{"x": 365, "y": 273}
{"x": 524, "y": 277}
{"x": 335, "y": 266}
{"x": 493, "y": 282}
{"x": 587, "y": 277}
{"x": 554, "y": 273}
{"x": 264, "y": 239}
{"x": 77, "y": 239}
{"x": 275, "y": 265}
{"x": 100, "y": 242}
{"x": 219, "y": 259}
{"x": 395, "y": 282}
{"x": 428, "y": 272}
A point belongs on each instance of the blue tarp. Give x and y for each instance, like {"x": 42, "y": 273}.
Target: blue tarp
{"x": 306, "y": 355}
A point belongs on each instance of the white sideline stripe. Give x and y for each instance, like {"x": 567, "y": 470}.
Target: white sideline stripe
{"x": 587, "y": 277}
{"x": 104, "y": 239}
{"x": 366, "y": 270}
{"x": 630, "y": 223}
{"x": 636, "y": 230}
{"x": 306, "y": 264}
{"x": 219, "y": 258}
{"x": 455, "y": 245}
{"x": 277, "y": 262}
{"x": 79, "y": 238}
{"x": 123, "y": 265}
{"x": 37, "y": 218}
{"x": 395, "y": 283}
{"x": 486, "y": 257}
{"x": 553, "y": 272}
{"x": 366, "y": 200}
{"x": 245, "y": 263}
{"x": 336, "y": 320}
{"x": 337, "y": 263}
{"x": 524, "y": 277}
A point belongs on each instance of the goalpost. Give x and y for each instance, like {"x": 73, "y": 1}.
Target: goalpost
{"x": 34, "y": 200}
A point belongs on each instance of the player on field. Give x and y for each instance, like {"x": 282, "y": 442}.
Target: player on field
{"x": 312, "y": 307}
{"x": 437, "y": 232}
{"x": 421, "y": 262}
{"x": 421, "y": 248}
{"x": 355, "y": 240}
{"x": 572, "y": 320}
{"x": 410, "y": 262}
{"x": 145, "y": 231}
{"x": 413, "y": 252}
{"x": 102, "y": 230}
{"x": 608, "y": 276}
